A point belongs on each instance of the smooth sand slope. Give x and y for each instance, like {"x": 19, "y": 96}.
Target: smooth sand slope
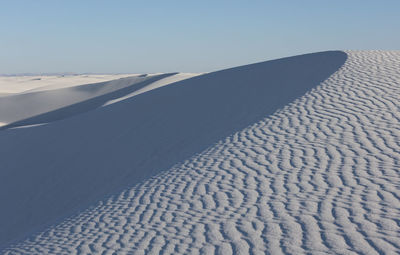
{"x": 43, "y": 106}
{"x": 11, "y": 85}
{"x": 298, "y": 155}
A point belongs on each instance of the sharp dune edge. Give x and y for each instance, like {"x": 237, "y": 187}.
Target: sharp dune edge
{"x": 297, "y": 155}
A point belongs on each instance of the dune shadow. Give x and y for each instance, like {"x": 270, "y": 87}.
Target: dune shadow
{"x": 51, "y": 171}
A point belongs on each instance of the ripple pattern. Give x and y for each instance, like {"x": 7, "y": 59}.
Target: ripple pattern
{"x": 320, "y": 176}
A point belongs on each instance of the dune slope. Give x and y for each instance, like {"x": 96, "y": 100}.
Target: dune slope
{"x": 46, "y": 106}
{"x": 19, "y": 84}
{"x": 51, "y": 171}
{"x": 320, "y": 175}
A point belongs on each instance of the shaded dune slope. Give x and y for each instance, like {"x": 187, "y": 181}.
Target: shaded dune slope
{"x": 318, "y": 176}
{"x": 51, "y": 171}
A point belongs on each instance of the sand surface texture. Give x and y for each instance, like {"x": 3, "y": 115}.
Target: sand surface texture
{"x": 319, "y": 174}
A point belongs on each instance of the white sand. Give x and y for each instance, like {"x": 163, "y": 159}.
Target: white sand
{"x": 317, "y": 174}
{"x": 20, "y": 84}
{"x": 157, "y": 84}
{"x": 43, "y": 105}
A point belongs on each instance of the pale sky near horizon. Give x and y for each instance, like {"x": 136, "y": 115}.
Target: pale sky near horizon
{"x": 47, "y": 36}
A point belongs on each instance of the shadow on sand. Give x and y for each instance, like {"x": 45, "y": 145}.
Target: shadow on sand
{"x": 50, "y": 171}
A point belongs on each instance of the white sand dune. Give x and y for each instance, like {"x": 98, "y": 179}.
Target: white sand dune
{"x": 44, "y": 106}
{"x": 30, "y": 83}
{"x": 298, "y": 155}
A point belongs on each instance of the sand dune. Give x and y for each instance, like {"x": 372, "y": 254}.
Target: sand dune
{"x": 298, "y": 155}
{"x": 38, "y": 107}
{"x": 30, "y": 83}
{"x": 47, "y": 105}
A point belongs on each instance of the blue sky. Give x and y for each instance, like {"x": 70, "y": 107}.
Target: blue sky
{"x": 188, "y": 36}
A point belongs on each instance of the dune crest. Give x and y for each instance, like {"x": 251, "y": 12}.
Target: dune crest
{"x": 70, "y": 163}
{"x": 320, "y": 175}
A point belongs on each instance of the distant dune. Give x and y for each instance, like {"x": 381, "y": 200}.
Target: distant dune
{"x": 43, "y": 105}
{"x": 14, "y": 84}
{"x": 297, "y": 155}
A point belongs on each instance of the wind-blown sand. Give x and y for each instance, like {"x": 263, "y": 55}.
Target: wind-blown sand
{"x": 298, "y": 155}
{"x": 47, "y": 105}
{"x": 29, "y": 83}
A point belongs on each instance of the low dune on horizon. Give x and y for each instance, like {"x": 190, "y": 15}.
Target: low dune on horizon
{"x": 299, "y": 155}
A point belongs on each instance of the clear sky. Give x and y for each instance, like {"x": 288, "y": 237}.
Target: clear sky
{"x": 119, "y": 36}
